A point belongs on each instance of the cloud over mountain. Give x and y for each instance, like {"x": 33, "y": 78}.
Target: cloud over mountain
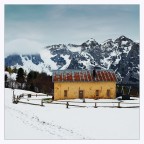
{"x": 22, "y": 46}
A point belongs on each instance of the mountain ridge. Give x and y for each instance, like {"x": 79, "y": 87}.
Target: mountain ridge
{"x": 120, "y": 55}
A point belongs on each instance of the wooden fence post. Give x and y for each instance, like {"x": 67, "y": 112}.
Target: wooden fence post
{"x": 13, "y": 100}
{"x": 83, "y": 100}
{"x": 13, "y": 97}
{"x": 41, "y": 102}
{"x": 13, "y": 92}
{"x": 95, "y": 105}
{"x": 67, "y": 104}
{"x": 16, "y": 100}
{"x": 118, "y": 104}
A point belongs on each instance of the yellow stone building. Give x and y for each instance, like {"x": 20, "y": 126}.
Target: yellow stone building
{"x": 75, "y": 84}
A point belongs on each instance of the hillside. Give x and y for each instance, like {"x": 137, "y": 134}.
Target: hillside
{"x": 120, "y": 55}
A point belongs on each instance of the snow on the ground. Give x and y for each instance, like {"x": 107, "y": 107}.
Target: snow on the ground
{"x": 11, "y": 76}
{"x": 55, "y": 121}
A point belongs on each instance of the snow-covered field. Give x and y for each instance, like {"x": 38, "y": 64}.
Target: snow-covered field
{"x": 55, "y": 121}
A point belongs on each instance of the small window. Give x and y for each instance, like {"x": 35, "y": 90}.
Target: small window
{"x": 97, "y": 92}
{"x": 108, "y": 92}
{"x": 65, "y": 93}
{"x": 81, "y": 94}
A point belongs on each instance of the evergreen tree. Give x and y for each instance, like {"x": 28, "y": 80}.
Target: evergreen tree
{"x": 29, "y": 77}
{"x": 6, "y": 68}
{"x": 20, "y": 76}
{"x": 39, "y": 82}
{"x": 31, "y": 80}
{"x": 6, "y": 83}
{"x": 15, "y": 70}
{"x": 10, "y": 70}
{"x": 32, "y": 87}
{"x": 6, "y": 77}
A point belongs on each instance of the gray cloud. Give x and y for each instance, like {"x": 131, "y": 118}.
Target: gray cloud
{"x": 22, "y": 46}
{"x": 56, "y": 24}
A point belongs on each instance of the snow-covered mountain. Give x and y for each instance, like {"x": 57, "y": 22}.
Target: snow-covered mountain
{"x": 121, "y": 55}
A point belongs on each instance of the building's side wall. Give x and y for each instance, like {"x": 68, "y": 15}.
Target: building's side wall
{"x": 89, "y": 89}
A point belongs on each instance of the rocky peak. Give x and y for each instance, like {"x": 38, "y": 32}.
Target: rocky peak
{"x": 123, "y": 39}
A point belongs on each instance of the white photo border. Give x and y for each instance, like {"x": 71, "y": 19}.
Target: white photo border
{"x": 140, "y": 2}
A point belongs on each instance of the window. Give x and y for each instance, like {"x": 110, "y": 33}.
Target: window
{"x": 108, "y": 92}
{"x": 65, "y": 93}
{"x": 97, "y": 92}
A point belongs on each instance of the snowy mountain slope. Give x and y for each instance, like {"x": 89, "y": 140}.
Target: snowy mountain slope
{"x": 121, "y": 55}
{"x": 74, "y": 48}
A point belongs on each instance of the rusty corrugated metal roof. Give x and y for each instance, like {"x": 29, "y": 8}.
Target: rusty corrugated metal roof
{"x": 83, "y": 75}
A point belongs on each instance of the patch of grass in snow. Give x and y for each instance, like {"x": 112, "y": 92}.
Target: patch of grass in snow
{"x": 47, "y": 100}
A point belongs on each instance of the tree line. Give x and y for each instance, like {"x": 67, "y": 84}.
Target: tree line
{"x": 33, "y": 81}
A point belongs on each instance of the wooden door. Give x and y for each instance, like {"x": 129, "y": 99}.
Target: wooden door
{"x": 81, "y": 94}
{"x": 97, "y": 94}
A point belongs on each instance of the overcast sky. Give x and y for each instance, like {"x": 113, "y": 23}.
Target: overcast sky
{"x": 28, "y": 28}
